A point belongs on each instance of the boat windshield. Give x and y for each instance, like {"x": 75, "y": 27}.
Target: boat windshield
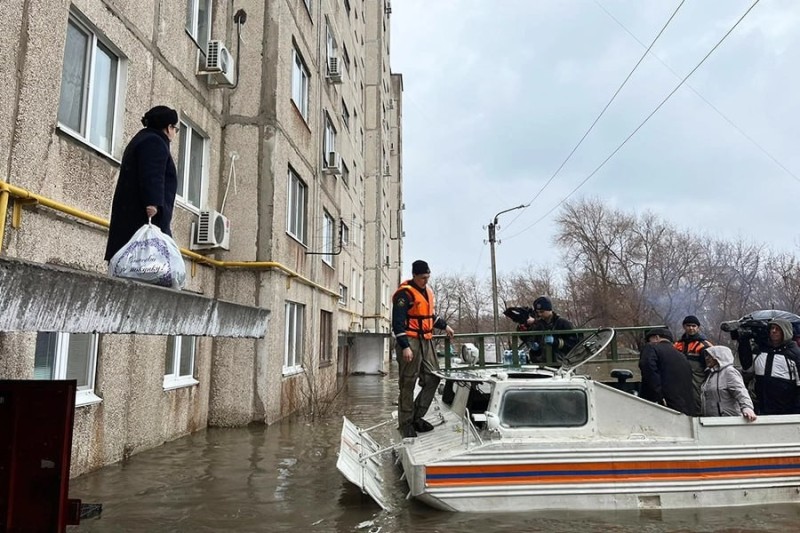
{"x": 527, "y": 408}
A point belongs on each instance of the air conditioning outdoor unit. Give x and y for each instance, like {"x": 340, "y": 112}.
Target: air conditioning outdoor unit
{"x": 219, "y": 65}
{"x": 211, "y": 231}
{"x": 387, "y": 170}
{"x": 333, "y": 163}
{"x": 334, "y": 70}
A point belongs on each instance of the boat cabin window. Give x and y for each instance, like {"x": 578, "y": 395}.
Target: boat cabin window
{"x": 523, "y": 408}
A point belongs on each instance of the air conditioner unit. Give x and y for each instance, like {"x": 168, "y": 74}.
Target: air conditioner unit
{"x": 333, "y": 163}
{"x": 219, "y": 65}
{"x": 334, "y": 70}
{"x": 212, "y": 230}
{"x": 387, "y": 171}
{"x": 388, "y": 7}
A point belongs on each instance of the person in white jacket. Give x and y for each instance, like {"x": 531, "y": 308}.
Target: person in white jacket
{"x": 723, "y": 392}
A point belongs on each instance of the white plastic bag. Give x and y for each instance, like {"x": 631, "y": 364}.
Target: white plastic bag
{"x": 150, "y": 256}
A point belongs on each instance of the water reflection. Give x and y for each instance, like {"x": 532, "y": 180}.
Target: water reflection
{"x": 284, "y": 478}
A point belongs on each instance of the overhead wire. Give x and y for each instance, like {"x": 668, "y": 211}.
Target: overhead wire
{"x": 703, "y": 98}
{"x": 624, "y": 142}
{"x": 597, "y": 119}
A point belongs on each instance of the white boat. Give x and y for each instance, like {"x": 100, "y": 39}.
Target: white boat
{"x": 556, "y": 440}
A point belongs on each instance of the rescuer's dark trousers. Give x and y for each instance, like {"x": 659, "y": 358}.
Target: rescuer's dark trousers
{"x": 420, "y": 367}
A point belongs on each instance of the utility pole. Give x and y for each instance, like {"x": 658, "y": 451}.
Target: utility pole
{"x": 493, "y": 226}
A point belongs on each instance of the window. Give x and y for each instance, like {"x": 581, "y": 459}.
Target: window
{"x": 360, "y": 287}
{"x": 543, "y": 408}
{"x": 191, "y": 165}
{"x": 296, "y": 224}
{"x": 325, "y": 339}
{"x": 345, "y": 232}
{"x": 68, "y": 356}
{"x": 353, "y": 281}
{"x": 300, "y": 83}
{"x": 342, "y": 294}
{"x": 329, "y": 141}
{"x": 309, "y": 5}
{"x": 91, "y": 81}
{"x": 345, "y": 115}
{"x": 345, "y": 174}
{"x": 327, "y": 238}
{"x": 179, "y": 362}
{"x": 347, "y": 6}
{"x": 198, "y": 21}
{"x": 293, "y": 352}
{"x": 330, "y": 44}
{"x": 345, "y": 58}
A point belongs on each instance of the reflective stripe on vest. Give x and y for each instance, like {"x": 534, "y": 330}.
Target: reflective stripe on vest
{"x": 420, "y": 311}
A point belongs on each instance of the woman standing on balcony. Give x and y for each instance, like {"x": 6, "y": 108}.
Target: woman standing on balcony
{"x": 147, "y": 180}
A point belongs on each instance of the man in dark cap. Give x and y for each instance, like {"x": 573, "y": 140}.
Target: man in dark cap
{"x": 547, "y": 320}
{"x": 413, "y": 321}
{"x": 692, "y": 345}
{"x": 148, "y": 180}
{"x": 666, "y": 374}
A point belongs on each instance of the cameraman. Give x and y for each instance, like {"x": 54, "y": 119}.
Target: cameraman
{"x": 775, "y": 367}
{"x": 547, "y": 320}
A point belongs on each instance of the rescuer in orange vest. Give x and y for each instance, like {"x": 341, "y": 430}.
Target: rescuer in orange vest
{"x": 413, "y": 322}
{"x": 692, "y": 345}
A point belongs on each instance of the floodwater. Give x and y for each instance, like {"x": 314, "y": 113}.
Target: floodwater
{"x": 284, "y": 478}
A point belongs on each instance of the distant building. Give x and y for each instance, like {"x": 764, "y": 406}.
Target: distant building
{"x": 292, "y": 133}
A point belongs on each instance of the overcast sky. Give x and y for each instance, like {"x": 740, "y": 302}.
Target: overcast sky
{"x": 497, "y": 93}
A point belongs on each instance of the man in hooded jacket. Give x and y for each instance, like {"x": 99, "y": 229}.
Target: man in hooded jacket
{"x": 775, "y": 367}
{"x": 723, "y": 392}
{"x": 548, "y": 320}
{"x": 666, "y": 374}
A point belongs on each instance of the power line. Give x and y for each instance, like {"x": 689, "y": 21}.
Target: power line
{"x": 703, "y": 98}
{"x": 596, "y": 120}
{"x": 618, "y": 148}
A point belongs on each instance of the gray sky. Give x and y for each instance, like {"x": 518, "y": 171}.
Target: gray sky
{"x": 497, "y": 93}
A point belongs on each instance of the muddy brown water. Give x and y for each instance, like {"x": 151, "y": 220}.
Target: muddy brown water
{"x": 284, "y": 478}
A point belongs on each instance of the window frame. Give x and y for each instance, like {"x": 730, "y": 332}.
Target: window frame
{"x": 176, "y": 380}
{"x": 294, "y": 315}
{"x": 328, "y": 230}
{"x": 345, "y": 115}
{"x": 328, "y": 139}
{"x": 539, "y": 396}
{"x": 296, "y": 215}
{"x": 343, "y": 294}
{"x": 345, "y": 233}
{"x": 84, "y": 395}
{"x": 192, "y": 26}
{"x": 301, "y": 81}
{"x": 96, "y": 40}
{"x": 325, "y": 338}
{"x": 183, "y": 166}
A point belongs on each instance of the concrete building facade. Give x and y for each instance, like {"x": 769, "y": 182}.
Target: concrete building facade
{"x": 293, "y": 135}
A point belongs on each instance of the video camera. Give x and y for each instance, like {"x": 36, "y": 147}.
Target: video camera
{"x": 520, "y": 315}
{"x": 756, "y": 326}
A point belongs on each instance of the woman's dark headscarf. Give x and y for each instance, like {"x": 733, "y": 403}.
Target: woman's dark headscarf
{"x": 160, "y": 117}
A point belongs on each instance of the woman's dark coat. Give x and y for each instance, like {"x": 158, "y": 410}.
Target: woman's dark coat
{"x": 147, "y": 176}
{"x": 667, "y": 377}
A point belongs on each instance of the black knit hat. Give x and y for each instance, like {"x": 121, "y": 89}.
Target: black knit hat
{"x": 160, "y": 117}
{"x": 420, "y": 267}
{"x": 691, "y": 319}
{"x": 542, "y": 303}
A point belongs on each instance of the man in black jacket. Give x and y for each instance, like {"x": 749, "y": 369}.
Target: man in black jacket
{"x": 775, "y": 367}
{"x": 547, "y": 320}
{"x": 666, "y": 373}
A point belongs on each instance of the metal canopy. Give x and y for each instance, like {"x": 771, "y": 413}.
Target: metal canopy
{"x": 38, "y": 297}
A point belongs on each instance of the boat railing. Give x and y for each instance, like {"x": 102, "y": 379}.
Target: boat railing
{"x": 470, "y": 431}
{"x": 620, "y": 349}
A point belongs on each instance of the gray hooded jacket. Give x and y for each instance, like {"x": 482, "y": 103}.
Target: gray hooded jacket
{"x": 723, "y": 392}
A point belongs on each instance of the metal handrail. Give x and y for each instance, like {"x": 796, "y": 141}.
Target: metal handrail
{"x": 480, "y": 338}
{"x": 7, "y": 190}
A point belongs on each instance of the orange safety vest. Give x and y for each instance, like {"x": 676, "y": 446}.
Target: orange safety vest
{"x": 692, "y": 349}
{"x": 420, "y": 318}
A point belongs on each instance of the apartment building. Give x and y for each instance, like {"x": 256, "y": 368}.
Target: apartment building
{"x": 289, "y": 204}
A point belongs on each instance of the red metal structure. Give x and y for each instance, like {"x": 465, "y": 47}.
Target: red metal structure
{"x": 35, "y": 444}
